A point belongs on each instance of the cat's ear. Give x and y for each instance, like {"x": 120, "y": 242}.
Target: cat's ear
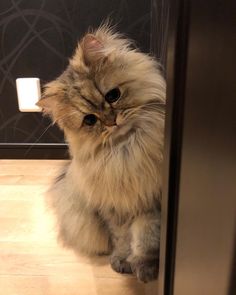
{"x": 50, "y": 101}
{"x": 47, "y": 104}
{"x": 92, "y": 49}
{"x": 55, "y": 105}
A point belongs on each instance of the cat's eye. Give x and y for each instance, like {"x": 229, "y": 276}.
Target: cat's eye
{"x": 90, "y": 120}
{"x": 112, "y": 95}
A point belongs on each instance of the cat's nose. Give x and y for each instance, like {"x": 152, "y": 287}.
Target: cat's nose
{"x": 110, "y": 121}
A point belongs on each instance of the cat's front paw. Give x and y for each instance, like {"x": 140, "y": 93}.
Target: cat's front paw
{"x": 120, "y": 265}
{"x": 146, "y": 270}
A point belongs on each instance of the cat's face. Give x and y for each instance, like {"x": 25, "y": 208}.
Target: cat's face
{"x": 102, "y": 95}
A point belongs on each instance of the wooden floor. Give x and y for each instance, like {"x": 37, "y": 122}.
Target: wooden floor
{"x": 31, "y": 261}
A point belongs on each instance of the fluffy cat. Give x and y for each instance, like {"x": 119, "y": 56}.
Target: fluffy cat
{"x": 110, "y": 104}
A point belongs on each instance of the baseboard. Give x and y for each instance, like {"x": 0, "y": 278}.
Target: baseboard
{"x": 34, "y": 151}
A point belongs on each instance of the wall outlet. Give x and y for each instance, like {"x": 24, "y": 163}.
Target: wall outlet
{"x": 28, "y": 93}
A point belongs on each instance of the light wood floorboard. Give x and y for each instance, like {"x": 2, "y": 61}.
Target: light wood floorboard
{"x": 31, "y": 260}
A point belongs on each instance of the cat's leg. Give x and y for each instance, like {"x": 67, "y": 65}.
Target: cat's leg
{"x": 79, "y": 227}
{"x": 85, "y": 232}
{"x": 145, "y": 240}
{"x": 121, "y": 248}
{"x": 118, "y": 259}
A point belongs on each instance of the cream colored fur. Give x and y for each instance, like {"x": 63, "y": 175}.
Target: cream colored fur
{"x": 114, "y": 177}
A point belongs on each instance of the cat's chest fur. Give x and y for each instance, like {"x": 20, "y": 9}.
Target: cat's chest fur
{"x": 127, "y": 180}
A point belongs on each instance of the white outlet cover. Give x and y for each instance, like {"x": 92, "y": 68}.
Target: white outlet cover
{"x": 28, "y": 93}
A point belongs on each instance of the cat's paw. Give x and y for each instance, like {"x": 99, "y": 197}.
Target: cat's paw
{"x": 120, "y": 265}
{"x": 146, "y": 270}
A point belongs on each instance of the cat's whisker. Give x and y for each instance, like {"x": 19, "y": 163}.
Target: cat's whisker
{"x": 38, "y": 139}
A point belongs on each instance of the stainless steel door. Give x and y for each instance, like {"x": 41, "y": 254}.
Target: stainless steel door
{"x": 199, "y": 214}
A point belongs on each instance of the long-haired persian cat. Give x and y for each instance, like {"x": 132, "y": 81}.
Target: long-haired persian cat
{"x": 110, "y": 104}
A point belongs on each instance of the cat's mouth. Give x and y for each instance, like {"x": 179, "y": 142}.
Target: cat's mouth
{"x": 118, "y": 133}
{"x": 112, "y": 128}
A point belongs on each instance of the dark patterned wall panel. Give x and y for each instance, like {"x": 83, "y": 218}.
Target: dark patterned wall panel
{"x": 159, "y": 29}
{"x": 38, "y": 36}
